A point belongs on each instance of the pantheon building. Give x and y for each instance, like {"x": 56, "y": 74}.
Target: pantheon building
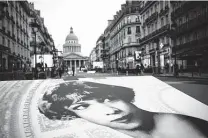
{"x": 72, "y": 52}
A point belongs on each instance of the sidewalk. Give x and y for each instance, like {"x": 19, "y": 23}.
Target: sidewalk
{"x": 185, "y": 75}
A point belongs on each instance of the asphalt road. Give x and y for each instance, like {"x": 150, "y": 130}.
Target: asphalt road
{"x": 196, "y": 88}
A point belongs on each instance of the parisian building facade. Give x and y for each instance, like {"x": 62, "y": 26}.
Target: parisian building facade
{"x": 191, "y": 34}
{"x": 16, "y": 37}
{"x": 92, "y": 58}
{"x": 41, "y": 42}
{"x": 122, "y": 36}
{"x": 155, "y": 39}
{"x": 165, "y": 33}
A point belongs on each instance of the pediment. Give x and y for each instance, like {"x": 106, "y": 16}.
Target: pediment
{"x": 73, "y": 56}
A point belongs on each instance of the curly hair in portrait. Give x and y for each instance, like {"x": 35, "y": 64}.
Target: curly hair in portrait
{"x": 54, "y": 101}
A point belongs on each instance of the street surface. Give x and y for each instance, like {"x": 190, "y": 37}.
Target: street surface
{"x": 20, "y": 117}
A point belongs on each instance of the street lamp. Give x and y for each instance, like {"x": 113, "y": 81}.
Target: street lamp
{"x": 172, "y": 35}
{"x": 34, "y": 30}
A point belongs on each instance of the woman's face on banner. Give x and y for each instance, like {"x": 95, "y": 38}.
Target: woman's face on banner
{"x": 111, "y": 112}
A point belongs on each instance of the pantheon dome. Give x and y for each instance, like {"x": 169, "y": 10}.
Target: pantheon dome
{"x": 72, "y": 52}
{"x": 71, "y": 43}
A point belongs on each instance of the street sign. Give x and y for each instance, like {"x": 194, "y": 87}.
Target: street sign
{"x": 138, "y": 55}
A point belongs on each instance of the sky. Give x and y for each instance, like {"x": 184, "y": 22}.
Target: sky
{"x": 89, "y": 18}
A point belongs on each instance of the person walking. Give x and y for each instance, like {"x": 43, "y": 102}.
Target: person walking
{"x": 73, "y": 69}
{"x": 60, "y": 72}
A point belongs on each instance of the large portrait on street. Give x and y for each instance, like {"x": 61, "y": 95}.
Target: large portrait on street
{"x": 114, "y": 108}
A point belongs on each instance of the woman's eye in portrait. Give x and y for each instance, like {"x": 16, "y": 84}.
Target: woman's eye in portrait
{"x": 81, "y": 107}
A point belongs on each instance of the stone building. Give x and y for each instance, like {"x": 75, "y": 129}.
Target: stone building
{"x": 41, "y": 42}
{"x": 155, "y": 39}
{"x": 191, "y": 34}
{"x": 72, "y": 55}
{"x": 124, "y": 34}
{"x": 14, "y": 35}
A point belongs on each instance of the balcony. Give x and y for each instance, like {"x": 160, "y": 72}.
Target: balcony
{"x": 156, "y": 33}
{"x": 185, "y": 7}
{"x": 8, "y": 33}
{"x": 3, "y": 29}
{"x": 193, "y": 44}
{"x": 147, "y": 5}
{"x": 164, "y": 11}
{"x": 200, "y": 21}
{"x": 151, "y": 18}
{"x": 138, "y": 34}
{"x": 13, "y": 35}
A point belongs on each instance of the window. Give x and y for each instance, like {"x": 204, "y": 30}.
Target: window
{"x": 180, "y": 40}
{"x": 195, "y": 36}
{"x": 8, "y": 43}
{"x": 148, "y": 30}
{"x": 180, "y": 21}
{"x": 3, "y": 40}
{"x": 167, "y": 20}
{"x": 156, "y": 25}
{"x": 161, "y": 4}
{"x": 129, "y": 20}
{"x": 147, "y": 13}
{"x": 137, "y": 19}
{"x": 156, "y": 7}
{"x": 187, "y": 38}
{"x": 137, "y": 29}
{"x": 129, "y": 30}
{"x": 162, "y": 22}
{"x": 187, "y": 18}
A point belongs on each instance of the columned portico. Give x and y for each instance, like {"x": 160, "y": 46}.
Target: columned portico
{"x": 72, "y": 53}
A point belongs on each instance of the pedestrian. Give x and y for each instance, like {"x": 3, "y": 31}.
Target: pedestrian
{"x": 142, "y": 69}
{"x": 100, "y": 104}
{"x": 166, "y": 67}
{"x": 138, "y": 69}
{"x": 73, "y": 69}
{"x": 60, "y": 72}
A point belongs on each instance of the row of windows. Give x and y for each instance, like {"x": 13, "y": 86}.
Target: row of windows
{"x": 126, "y": 20}
{"x": 192, "y": 36}
{"x": 193, "y": 14}
{"x": 155, "y": 25}
{"x": 72, "y": 41}
{"x": 164, "y": 40}
{"x": 122, "y": 35}
{"x": 154, "y": 9}
{"x": 15, "y": 7}
{"x": 72, "y": 49}
{"x": 123, "y": 53}
{"x": 14, "y": 47}
{"x": 14, "y": 30}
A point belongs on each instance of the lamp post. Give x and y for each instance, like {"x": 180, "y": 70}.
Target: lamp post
{"x": 34, "y": 25}
{"x": 172, "y": 35}
{"x": 35, "y": 52}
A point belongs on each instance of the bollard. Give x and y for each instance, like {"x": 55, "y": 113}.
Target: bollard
{"x": 127, "y": 73}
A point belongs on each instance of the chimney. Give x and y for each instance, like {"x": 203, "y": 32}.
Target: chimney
{"x": 109, "y": 22}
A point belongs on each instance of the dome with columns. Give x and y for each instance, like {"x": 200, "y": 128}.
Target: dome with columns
{"x": 71, "y": 36}
{"x": 71, "y": 43}
{"x": 72, "y": 52}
